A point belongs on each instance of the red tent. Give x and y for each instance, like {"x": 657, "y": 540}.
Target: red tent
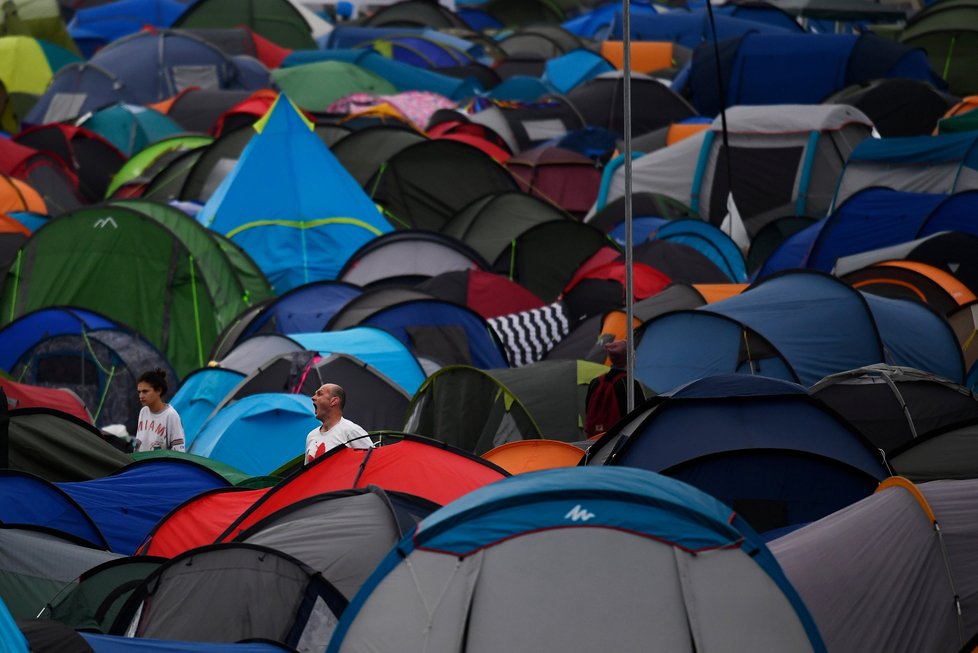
{"x": 562, "y": 177}
{"x": 418, "y": 466}
{"x": 487, "y": 293}
{"x": 21, "y": 395}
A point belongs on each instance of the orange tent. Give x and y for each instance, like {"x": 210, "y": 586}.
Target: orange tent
{"x": 715, "y": 292}
{"x": 957, "y": 290}
{"x": 17, "y": 195}
{"x": 915, "y": 281}
{"x": 534, "y": 455}
{"x": 646, "y": 55}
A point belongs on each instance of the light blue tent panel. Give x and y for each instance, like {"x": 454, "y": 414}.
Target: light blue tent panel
{"x": 200, "y": 394}
{"x": 709, "y": 241}
{"x": 11, "y": 639}
{"x": 574, "y": 68}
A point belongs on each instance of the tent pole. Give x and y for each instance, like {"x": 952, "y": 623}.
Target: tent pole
{"x": 626, "y": 21}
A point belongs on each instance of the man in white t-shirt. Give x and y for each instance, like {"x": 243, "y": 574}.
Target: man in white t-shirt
{"x": 328, "y": 402}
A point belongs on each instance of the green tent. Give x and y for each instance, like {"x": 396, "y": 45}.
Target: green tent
{"x": 963, "y": 122}
{"x": 127, "y": 266}
{"x": 144, "y": 160}
{"x": 276, "y": 20}
{"x": 542, "y": 400}
{"x": 38, "y": 18}
{"x": 363, "y": 152}
{"x": 60, "y": 448}
{"x": 948, "y": 31}
{"x": 315, "y": 86}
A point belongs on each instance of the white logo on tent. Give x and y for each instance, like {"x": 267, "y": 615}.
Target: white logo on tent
{"x": 104, "y": 222}
{"x": 578, "y": 513}
{"x": 953, "y": 267}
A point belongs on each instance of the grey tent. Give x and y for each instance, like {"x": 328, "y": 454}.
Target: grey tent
{"x": 230, "y": 592}
{"x": 408, "y": 257}
{"x": 895, "y": 572}
{"x": 950, "y": 452}
{"x": 248, "y": 355}
{"x": 343, "y": 535}
{"x": 35, "y": 566}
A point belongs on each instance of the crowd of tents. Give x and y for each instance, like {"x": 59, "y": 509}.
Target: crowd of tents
{"x": 426, "y": 204}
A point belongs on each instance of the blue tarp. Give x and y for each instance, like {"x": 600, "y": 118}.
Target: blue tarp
{"x": 200, "y": 394}
{"x": 26, "y": 331}
{"x": 291, "y": 205}
{"x": 374, "y": 347}
{"x": 258, "y": 433}
{"x": 304, "y": 309}
{"x": 620, "y": 498}
{"x": 127, "y": 504}
{"x": 406, "y": 321}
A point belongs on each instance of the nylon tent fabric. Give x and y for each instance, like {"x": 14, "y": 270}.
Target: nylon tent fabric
{"x": 943, "y": 454}
{"x": 198, "y": 521}
{"x": 895, "y": 527}
{"x": 301, "y": 611}
{"x": 28, "y": 63}
{"x": 891, "y": 405}
{"x": 369, "y": 302}
{"x": 246, "y": 356}
{"x": 230, "y": 474}
{"x": 561, "y": 176}
{"x": 541, "y": 400}
{"x": 127, "y": 504}
{"x": 286, "y": 237}
{"x": 364, "y": 151}
{"x": 113, "y": 644}
{"x": 315, "y": 86}
{"x": 785, "y": 459}
{"x": 94, "y": 601}
{"x": 10, "y": 635}
{"x": 419, "y": 466}
{"x": 912, "y": 281}
{"x": 304, "y": 309}
{"x": 258, "y": 433}
{"x": 533, "y": 455}
{"x": 530, "y": 518}
{"x": 199, "y": 394}
{"x": 343, "y": 535}
{"x": 96, "y": 26}
{"x": 424, "y": 185}
{"x": 413, "y": 13}
{"x": 93, "y": 159}
{"x": 944, "y": 31}
{"x": 600, "y": 103}
{"x": 22, "y": 395}
{"x": 897, "y": 107}
{"x": 143, "y": 164}
{"x": 244, "y": 41}
{"x": 32, "y": 502}
{"x": 407, "y": 257}
{"x": 303, "y": 373}
{"x": 488, "y": 294}
{"x": 57, "y": 447}
{"x": 34, "y": 566}
{"x": 98, "y": 262}
{"x": 46, "y": 173}
{"x": 22, "y": 334}
{"x": 708, "y": 240}
{"x": 276, "y": 20}
{"x": 45, "y": 635}
{"x": 948, "y": 252}
{"x": 38, "y": 18}
{"x": 130, "y": 128}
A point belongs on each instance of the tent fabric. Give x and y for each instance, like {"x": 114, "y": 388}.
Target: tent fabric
{"x": 923, "y": 530}
{"x": 102, "y": 24}
{"x": 775, "y": 472}
{"x": 410, "y": 255}
{"x": 130, "y": 128}
{"x": 942, "y": 454}
{"x": 199, "y": 395}
{"x": 533, "y": 455}
{"x": 897, "y": 107}
{"x": 301, "y": 608}
{"x": 10, "y": 635}
{"x": 31, "y": 501}
{"x": 230, "y": 474}
{"x": 257, "y": 434}
{"x": 279, "y": 21}
{"x": 944, "y": 31}
{"x": 541, "y": 522}
{"x": 304, "y": 309}
{"x": 337, "y": 217}
{"x": 115, "y": 644}
{"x": 370, "y": 302}
{"x": 317, "y": 86}
{"x": 912, "y": 281}
{"x": 488, "y": 294}
{"x": 413, "y": 465}
{"x": 22, "y": 395}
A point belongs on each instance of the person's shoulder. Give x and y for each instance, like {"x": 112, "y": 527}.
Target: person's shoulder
{"x": 353, "y": 426}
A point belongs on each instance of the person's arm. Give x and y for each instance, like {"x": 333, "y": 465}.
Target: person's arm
{"x": 175, "y": 433}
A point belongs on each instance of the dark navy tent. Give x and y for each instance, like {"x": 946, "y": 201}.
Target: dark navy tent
{"x": 763, "y": 446}
{"x": 784, "y": 68}
{"x": 127, "y": 504}
{"x": 32, "y": 501}
{"x": 687, "y": 29}
{"x": 201, "y": 392}
{"x": 501, "y": 569}
{"x": 24, "y": 333}
{"x": 303, "y": 309}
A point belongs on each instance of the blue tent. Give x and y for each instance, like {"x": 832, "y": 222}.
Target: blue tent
{"x": 303, "y": 309}
{"x": 291, "y": 205}
{"x": 785, "y": 68}
{"x": 574, "y": 68}
{"x": 344, "y": 37}
{"x": 792, "y": 253}
{"x": 259, "y": 433}
{"x": 31, "y": 501}
{"x": 521, "y": 88}
{"x": 118, "y": 644}
{"x": 709, "y": 241}
{"x": 643, "y": 228}
{"x": 598, "y": 23}
{"x": 11, "y": 639}
{"x": 127, "y": 504}
{"x": 879, "y": 217}
{"x": 690, "y": 29}
{"x": 404, "y": 77}
{"x": 518, "y": 542}
{"x": 374, "y": 347}
{"x": 105, "y": 23}
{"x": 421, "y": 51}
{"x": 25, "y": 332}
{"x": 763, "y": 446}
{"x": 200, "y": 394}
{"x": 443, "y": 331}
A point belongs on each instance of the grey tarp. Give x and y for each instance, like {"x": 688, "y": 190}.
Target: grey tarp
{"x": 874, "y": 575}
{"x": 36, "y": 566}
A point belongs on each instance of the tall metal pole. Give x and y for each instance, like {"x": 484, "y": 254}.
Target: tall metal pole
{"x": 626, "y": 29}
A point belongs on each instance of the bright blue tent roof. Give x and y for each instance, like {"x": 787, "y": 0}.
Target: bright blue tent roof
{"x": 597, "y": 23}
{"x": 793, "y": 252}
{"x": 708, "y": 240}
{"x": 29, "y": 500}
{"x": 576, "y": 67}
{"x": 118, "y": 644}
{"x": 111, "y": 21}
{"x": 258, "y": 433}
{"x": 643, "y": 228}
{"x": 919, "y": 149}
{"x": 407, "y": 319}
{"x": 619, "y": 498}
{"x": 375, "y": 347}
{"x": 128, "y": 503}
{"x": 404, "y": 77}
{"x": 11, "y": 639}
{"x": 199, "y": 395}
{"x": 26, "y": 331}
{"x": 304, "y": 309}
{"x": 291, "y": 204}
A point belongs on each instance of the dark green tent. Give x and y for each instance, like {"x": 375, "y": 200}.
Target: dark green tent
{"x": 363, "y": 152}
{"x": 415, "y": 13}
{"x": 514, "y": 13}
{"x": 276, "y": 20}
{"x": 542, "y": 400}
{"x": 948, "y": 31}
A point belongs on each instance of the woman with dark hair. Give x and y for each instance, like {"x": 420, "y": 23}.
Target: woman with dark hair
{"x": 159, "y": 424}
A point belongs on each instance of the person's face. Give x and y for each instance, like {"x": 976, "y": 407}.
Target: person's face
{"x": 148, "y": 395}
{"x": 323, "y": 402}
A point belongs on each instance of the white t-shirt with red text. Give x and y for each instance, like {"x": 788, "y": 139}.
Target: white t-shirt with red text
{"x": 161, "y": 430}
{"x": 344, "y": 431}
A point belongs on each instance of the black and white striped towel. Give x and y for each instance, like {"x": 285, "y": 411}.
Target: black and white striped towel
{"x": 529, "y": 335}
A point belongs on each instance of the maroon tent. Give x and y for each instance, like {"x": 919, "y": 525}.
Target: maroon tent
{"x": 563, "y": 177}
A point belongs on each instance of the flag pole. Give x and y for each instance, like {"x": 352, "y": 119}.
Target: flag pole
{"x": 626, "y": 29}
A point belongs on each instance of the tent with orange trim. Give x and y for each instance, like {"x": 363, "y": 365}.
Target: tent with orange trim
{"x": 534, "y": 455}
{"x": 915, "y": 281}
{"x": 18, "y": 195}
{"x": 647, "y": 56}
{"x": 894, "y": 572}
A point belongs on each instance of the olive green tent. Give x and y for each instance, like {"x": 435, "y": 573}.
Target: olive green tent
{"x": 38, "y": 18}
{"x": 543, "y": 400}
{"x": 948, "y": 31}
{"x": 164, "y": 277}
{"x": 142, "y": 161}
{"x": 277, "y": 20}
{"x": 315, "y": 86}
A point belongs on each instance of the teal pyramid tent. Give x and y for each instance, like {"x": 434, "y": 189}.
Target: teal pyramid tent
{"x": 291, "y": 205}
